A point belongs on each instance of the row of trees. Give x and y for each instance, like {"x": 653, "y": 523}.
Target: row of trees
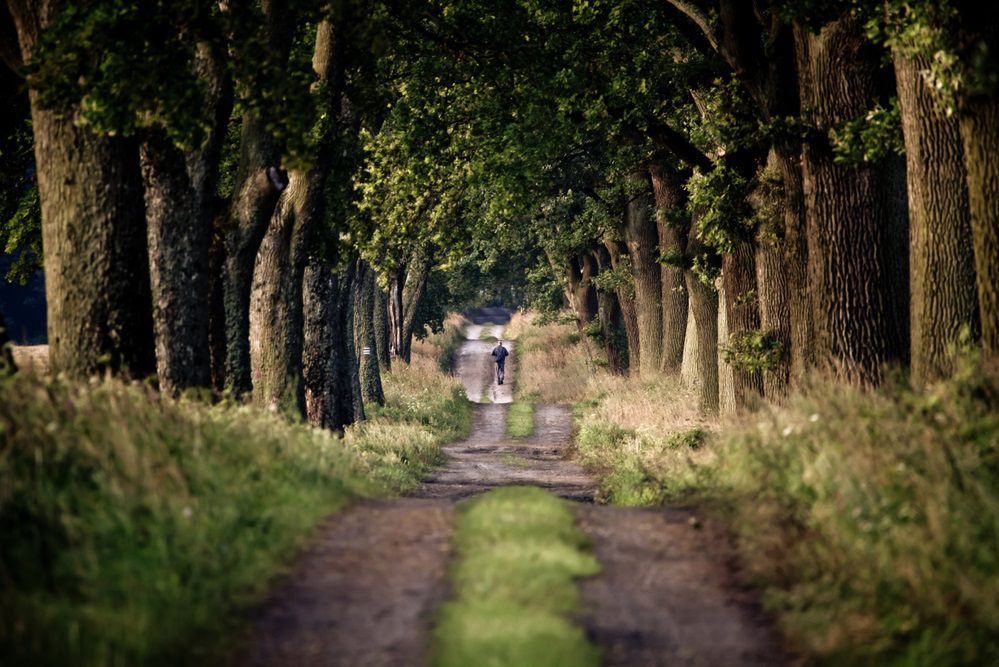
{"x": 272, "y": 199}
{"x": 820, "y": 172}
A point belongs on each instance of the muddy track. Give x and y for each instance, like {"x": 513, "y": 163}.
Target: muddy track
{"x": 366, "y": 590}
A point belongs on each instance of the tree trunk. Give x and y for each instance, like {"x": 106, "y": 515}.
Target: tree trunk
{"x": 941, "y": 268}
{"x": 611, "y": 323}
{"x": 259, "y": 183}
{"x": 742, "y": 316}
{"x": 93, "y": 231}
{"x": 353, "y": 368}
{"x": 329, "y": 398}
{"x": 704, "y": 307}
{"x": 276, "y": 317}
{"x": 417, "y": 274}
{"x": 849, "y": 213}
{"x": 667, "y": 187}
{"x": 772, "y": 275}
{"x": 626, "y": 300}
{"x": 364, "y": 336}
{"x": 979, "y": 121}
{"x": 216, "y": 310}
{"x": 642, "y": 237}
{"x": 582, "y": 294}
{"x": 382, "y": 333}
{"x": 395, "y": 314}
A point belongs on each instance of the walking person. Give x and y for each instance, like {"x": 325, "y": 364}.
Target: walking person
{"x": 500, "y": 354}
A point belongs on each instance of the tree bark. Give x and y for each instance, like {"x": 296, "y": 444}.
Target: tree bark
{"x": 364, "y": 336}
{"x": 980, "y": 132}
{"x": 849, "y": 213}
{"x": 667, "y": 188}
{"x": 353, "y": 368}
{"x": 582, "y": 294}
{"x": 253, "y": 203}
{"x": 743, "y": 316}
{"x": 941, "y": 268}
{"x": 395, "y": 314}
{"x": 382, "y": 333}
{"x": 642, "y": 238}
{"x": 704, "y": 308}
{"x": 611, "y": 322}
{"x": 7, "y": 365}
{"x": 415, "y": 286}
{"x": 93, "y": 232}
{"x": 276, "y": 316}
{"x": 626, "y": 300}
{"x": 329, "y": 398}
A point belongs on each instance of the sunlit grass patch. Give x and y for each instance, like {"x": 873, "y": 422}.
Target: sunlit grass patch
{"x": 520, "y": 419}
{"x": 518, "y": 555}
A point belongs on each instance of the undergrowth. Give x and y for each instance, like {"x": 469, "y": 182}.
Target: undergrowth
{"x": 518, "y": 555}
{"x": 134, "y": 526}
{"x": 870, "y": 519}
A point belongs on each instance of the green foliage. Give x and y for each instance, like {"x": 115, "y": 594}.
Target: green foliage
{"x": 20, "y": 210}
{"x": 873, "y": 519}
{"x": 754, "y": 351}
{"x": 134, "y": 526}
{"x": 872, "y": 138}
{"x": 718, "y": 202}
{"x": 618, "y": 278}
{"x": 518, "y": 554}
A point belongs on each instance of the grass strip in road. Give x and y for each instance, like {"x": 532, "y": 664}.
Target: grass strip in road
{"x": 518, "y": 556}
{"x": 520, "y": 419}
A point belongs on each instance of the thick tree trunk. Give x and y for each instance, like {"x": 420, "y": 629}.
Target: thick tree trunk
{"x": 364, "y": 336}
{"x": 353, "y": 368}
{"x": 216, "y": 309}
{"x": 276, "y": 317}
{"x": 258, "y": 186}
{"x": 417, "y": 274}
{"x": 395, "y": 314}
{"x": 849, "y": 213}
{"x": 704, "y": 308}
{"x": 626, "y": 300}
{"x": 742, "y": 316}
{"x": 93, "y": 231}
{"x": 773, "y": 283}
{"x": 329, "y": 398}
{"x": 941, "y": 255}
{"x": 611, "y": 322}
{"x": 382, "y": 332}
{"x": 582, "y": 293}
{"x": 642, "y": 237}
{"x": 979, "y": 122}
{"x": 667, "y": 187}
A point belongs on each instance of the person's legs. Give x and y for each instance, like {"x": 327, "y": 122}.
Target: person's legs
{"x": 500, "y": 371}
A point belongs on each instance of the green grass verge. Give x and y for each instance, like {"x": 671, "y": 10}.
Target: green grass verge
{"x": 870, "y": 519}
{"x": 134, "y": 527}
{"x": 518, "y": 554}
{"x": 520, "y": 419}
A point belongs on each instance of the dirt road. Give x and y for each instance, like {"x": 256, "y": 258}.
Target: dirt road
{"x": 366, "y": 591}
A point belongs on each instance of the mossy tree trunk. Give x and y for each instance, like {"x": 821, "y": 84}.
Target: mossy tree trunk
{"x": 849, "y": 212}
{"x": 258, "y": 186}
{"x": 329, "y": 398}
{"x": 276, "y": 315}
{"x": 642, "y": 238}
{"x": 618, "y": 253}
{"x": 415, "y": 286}
{"x": 743, "y": 317}
{"x": 382, "y": 333}
{"x": 943, "y": 298}
{"x": 365, "y": 340}
{"x": 704, "y": 308}
{"x": 353, "y": 295}
{"x": 93, "y": 232}
{"x": 179, "y": 195}
{"x": 581, "y": 293}
{"x": 611, "y": 321}
{"x": 667, "y": 187}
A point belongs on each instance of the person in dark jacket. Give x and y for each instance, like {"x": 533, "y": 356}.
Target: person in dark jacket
{"x": 500, "y": 354}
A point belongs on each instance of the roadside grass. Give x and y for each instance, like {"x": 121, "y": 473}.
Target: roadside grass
{"x": 869, "y": 519}
{"x": 134, "y": 527}
{"x": 518, "y": 556}
{"x": 443, "y": 345}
